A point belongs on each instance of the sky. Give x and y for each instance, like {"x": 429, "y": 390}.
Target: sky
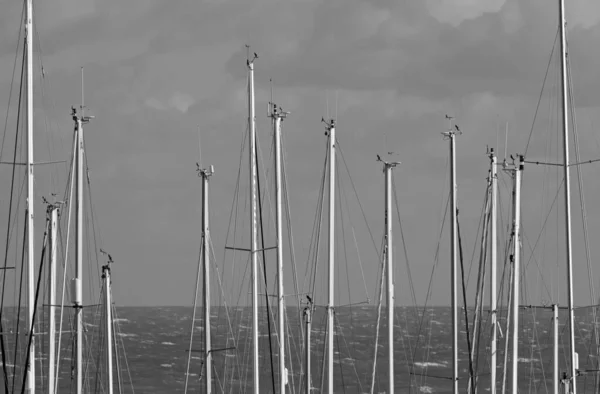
{"x": 158, "y": 74}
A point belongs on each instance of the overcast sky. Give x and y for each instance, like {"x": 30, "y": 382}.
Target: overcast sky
{"x": 157, "y": 72}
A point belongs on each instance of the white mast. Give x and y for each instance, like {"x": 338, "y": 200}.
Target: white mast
{"x": 80, "y": 119}
{"x": 555, "y": 374}
{"x": 108, "y": 302}
{"x": 563, "y": 68}
{"x": 493, "y": 280}
{"x": 206, "y": 280}
{"x": 451, "y": 133}
{"x": 30, "y": 202}
{"x": 330, "y": 305}
{"x": 307, "y": 320}
{"x": 387, "y": 169}
{"x": 278, "y": 115}
{"x": 79, "y": 253}
{"x": 53, "y": 210}
{"x": 517, "y": 272}
{"x": 253, "y": 233}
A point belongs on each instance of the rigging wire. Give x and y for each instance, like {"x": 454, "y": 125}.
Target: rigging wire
{"x": 541, "y": 92}
{"x": 382, "y": 264}
{"x": 8, "y": 232}
{"x": 464, "y": 294}
{"x": 225, "y": 304}
{"x": 264, "y": 261}
{"x": 292, "y": 250}
{"x": 404, "y": 249}
{"x": 477, "y": 321}
{"x": 189, "y": 358}
{"x": 31, "y": 329}
{"x": 10, "y": 91}
{"x": 69, "y": 197}
{"x": 19, "y": 302}
{"x": 313, "y": 249}
{"x": 579, "y": 171}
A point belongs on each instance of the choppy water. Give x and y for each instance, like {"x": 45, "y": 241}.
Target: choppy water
{"x": 156, "y": 342}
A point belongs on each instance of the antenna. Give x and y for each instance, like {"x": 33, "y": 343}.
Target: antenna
{"x": 327, "y": 103}
{"x": 505, "y": 139}
{"x": 336, "y": 104}
{"x": 497, "y": 130}
{"x": 82, "y": 95}
{"x": 451, "y": 130}
{"x": 199, "y": 148}
{"x": 248, "y": 61}
{"x": 84, "y": 119}
{"x": 271, "y": 104}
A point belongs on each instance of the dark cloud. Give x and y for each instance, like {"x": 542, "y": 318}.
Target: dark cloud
{"x": 157, "y": 73}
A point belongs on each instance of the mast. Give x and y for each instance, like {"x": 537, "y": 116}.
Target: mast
{"x": 387, "y": 169}
{"x": 30, "y": 199}
{"x": 79, "y": 255}
{"x": 555, "y": 375}
{"x": 493, "y": 280}
{"x": 205, "y": 174}
{"x": 450, "y": 134}
{"x": 565, "y": 118}
{"x": 307, "y": 320}
{"x": 253, "y": 231}
{"x": 108, "y": 305}
{"x": 517, "y": 271}
{"x": 330, "y": 304}
{"x": 278, "y": 115}
{"x": 79, "y": 119}
{"x": 53, "y": 210}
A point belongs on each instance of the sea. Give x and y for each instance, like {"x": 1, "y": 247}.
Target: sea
{"x": 156, "y": 343}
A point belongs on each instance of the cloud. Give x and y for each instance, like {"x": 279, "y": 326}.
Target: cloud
{"x": 178, "y": 101}
{"x": 158, "y": 73}
{"x": 454, "y": 12}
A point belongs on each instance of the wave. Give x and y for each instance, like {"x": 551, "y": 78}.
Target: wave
{"x": 426, "y": 364}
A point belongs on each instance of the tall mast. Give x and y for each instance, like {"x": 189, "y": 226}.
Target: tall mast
{"x": 79, "y": 255}
{"x": 30, "y": 201}
{"x": 517, "y": 170}
{"x": 278, "y": 115}
{"x": 253, "y": 232}
{"x": 387, "y": 169}
{"x": 330, "y": 304}
{"x": 565, "y": 118}
{"x": 307, "y": 320}
{"x": 493, "y": 280}
{"x": 555, "y": 375}
{"x": 109, "y": 342}
{"x": 53, "y": 210}
{"x": 79, "y": 119}
{"x": 450, "y": 134}
{"x": 206, "y": 280}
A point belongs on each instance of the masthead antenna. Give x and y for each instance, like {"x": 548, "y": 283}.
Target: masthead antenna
{"x": 505, "y": 139}
{"x": 82, "y": 94}
{"x": 199, "y": 148}
{"x": 248, "y": 60}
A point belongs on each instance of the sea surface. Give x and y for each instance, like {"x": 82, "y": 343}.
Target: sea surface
{"x": 156, "y": 341}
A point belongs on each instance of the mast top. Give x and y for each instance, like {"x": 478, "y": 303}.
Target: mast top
{"x": 514, "y": 166}
{"x": 388, "y": 164}
{"x": 108, "y": 263}
{"x": 453, "y": 128}
{"x": 205, "y": 172}
{"x": 277, "y": 112}
{"x": 52, "y": 205}
{"x": 328, "y": 125}
{"x": 250, "y": 62}
{"x": 78, "y": 116}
